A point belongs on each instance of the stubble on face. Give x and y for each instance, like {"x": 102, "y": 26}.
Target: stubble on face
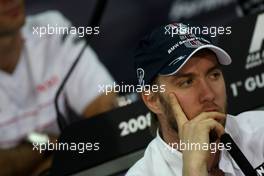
{"x": 168, "y": 111}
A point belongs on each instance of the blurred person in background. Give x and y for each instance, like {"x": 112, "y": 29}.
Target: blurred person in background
{"x": 31, "y": 71}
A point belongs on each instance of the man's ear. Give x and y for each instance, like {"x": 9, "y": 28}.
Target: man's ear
{"x": 151, "y": 100}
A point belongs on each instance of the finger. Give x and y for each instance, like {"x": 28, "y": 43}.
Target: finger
{"x": 177, "y": 111}
{"x": 210, "y": 115}
{"x": 212, "y": 124}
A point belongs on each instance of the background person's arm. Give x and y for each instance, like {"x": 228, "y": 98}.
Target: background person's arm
{"x": 21, "y": 160}
{"x": 25, "y": 159}
{"x": 101, "y": 104}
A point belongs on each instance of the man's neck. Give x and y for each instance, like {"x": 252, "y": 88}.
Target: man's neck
{"x": 169, "y": 135}
{"x": 10, "y": 49}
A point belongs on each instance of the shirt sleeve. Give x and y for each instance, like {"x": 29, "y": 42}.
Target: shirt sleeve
{"x": 83, "y": 85}
{"x": 63, "y": 47}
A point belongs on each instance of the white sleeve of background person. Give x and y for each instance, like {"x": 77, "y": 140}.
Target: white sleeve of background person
{"x": 82, "y": 86}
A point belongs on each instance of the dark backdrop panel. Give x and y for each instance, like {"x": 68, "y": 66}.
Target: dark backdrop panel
{"x": 123, "y": 24}
{"x": 245, "y": 76}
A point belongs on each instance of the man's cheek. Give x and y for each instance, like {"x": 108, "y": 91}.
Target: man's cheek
{"x": 221, "y": 99}
{"x": 187, "y": 105}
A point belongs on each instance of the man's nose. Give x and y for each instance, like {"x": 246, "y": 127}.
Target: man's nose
{"x": 206, "y": 91}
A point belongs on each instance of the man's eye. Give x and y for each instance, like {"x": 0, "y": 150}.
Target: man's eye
{"x": 215, "y": 75}
{"x": 186, "y": 83}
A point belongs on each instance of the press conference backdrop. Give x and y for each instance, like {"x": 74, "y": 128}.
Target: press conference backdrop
{"x": 245, "y": 76}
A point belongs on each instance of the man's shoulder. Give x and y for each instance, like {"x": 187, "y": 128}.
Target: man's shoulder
{"x": 246, "y": 130}
{"x": 256, "y": 114}
{"x": 246, "y": 125}
{"x": 142, "y": 166}
{"x": 138, "y": 169}
{"x": 249, "y": 118}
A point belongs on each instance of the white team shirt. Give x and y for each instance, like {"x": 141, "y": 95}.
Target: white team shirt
{"x": 246, "y": 129}
{"x": 27, "y": 95}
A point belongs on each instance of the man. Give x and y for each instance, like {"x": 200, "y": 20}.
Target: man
{"x": 31, "y": 70}
{"x": 191, "y": 114}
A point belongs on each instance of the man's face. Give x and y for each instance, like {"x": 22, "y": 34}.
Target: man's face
{"x": 199, "y": 86}
{"x": 12, "y": 16}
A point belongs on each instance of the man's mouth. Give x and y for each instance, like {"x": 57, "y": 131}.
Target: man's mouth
{"x": 212, "y": 110}
{"x": 211, "y": 107}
